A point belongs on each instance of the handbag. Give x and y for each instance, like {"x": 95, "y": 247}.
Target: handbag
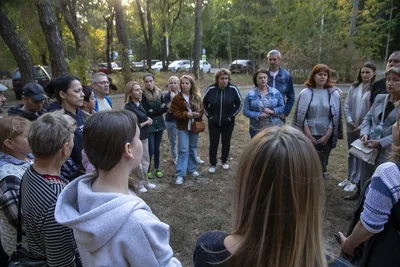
{"x": 367, "y": 154}
{"x": 197, "y": 127}
{"x": 22, "y": 257}
{"x": 360, "y": 151}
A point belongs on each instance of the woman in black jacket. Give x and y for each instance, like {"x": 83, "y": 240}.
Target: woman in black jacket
{"x": 133, "y": 96}
{"x": 222, "y": 102}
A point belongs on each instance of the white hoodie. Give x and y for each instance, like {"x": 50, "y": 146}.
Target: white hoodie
{"x": 113, "y": 229}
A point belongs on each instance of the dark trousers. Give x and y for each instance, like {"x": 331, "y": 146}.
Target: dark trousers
{"x": 154, "y": 148}
{"x": 323, "y": 151}
{"x": 215, "y": 132}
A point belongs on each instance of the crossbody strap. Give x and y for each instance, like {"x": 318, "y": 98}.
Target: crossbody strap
{"x": 188, "y": 106}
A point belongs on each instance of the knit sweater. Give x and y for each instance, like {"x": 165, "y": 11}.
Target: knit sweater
{"x": 383, "y": 193}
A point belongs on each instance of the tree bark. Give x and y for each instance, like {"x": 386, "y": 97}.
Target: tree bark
{"x": 122, "y": 40}
{"x": 353, "y": 22}
{"x": 54, "y": 44}
{"x": 197, "y": 39}
{"x": 147, "y": 33}
{"x": 17, "y": 48}
{"x": 109, "y": 30}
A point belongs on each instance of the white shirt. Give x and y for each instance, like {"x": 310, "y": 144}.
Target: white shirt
{"x": 103, "y": 104}
{"x": 188, "y": 106}
{"x": 273, "y": 74}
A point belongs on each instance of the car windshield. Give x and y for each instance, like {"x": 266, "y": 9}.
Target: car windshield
{"x": 37, "y": 71}
{"x": 240, "y": 62}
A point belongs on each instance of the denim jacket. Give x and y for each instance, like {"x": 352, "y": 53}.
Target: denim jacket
{"x": 284, "y": 84}
{"x": 252, "y": 107}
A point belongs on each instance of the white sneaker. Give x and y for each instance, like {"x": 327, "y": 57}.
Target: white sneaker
{"x": 225, "y": 166}
{"x": 150, "y": 186}
{"x": 179, "y": 180}
{"x": 199, "y": 161}
{"x": 195, "y": 174}
{"x": 142, "y": 190}
{"x": 350, "y": 187}
{"x": 211, "y": 169}
{"x": 344, "y": 183}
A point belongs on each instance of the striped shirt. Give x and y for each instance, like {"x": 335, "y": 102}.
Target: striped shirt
{"x": 46, "y": 238}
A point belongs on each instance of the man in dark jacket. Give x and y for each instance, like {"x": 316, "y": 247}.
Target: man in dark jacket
{"x": 33, "y": 97}
{"x": 379, "y": 86}
{"x": 222, "y": 102}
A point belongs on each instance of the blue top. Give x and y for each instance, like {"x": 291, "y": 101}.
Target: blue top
{"x": 210, "y": 249}
{"x": 96, "y": 104}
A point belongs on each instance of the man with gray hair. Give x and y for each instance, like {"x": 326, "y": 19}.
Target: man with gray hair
{"x": 280, "y": 79}
{"x": 3, "y": 99}
{"x": 101, "y": 88}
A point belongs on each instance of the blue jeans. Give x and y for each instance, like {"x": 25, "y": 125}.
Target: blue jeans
{"x": 154, "y": 148}
{"x": 187, "y": 147}
{"x": 172, "y": 132}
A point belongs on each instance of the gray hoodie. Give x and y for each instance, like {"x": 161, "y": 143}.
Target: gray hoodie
{"x": 113, "y": 229}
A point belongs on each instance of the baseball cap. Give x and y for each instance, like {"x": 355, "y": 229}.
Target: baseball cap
{"x": 34, "y": 91}
{"x": 3, "y": 87}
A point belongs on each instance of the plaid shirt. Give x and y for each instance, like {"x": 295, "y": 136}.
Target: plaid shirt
{"x": 9, "y": 200}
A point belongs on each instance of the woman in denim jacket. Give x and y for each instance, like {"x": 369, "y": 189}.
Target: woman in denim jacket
{"x": 263, "y": 105}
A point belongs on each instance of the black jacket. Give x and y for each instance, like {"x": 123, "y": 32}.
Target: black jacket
{"x": 142, "y": 117}
{"x": 222, "y": 105}
{"x": 378, "y": 87}
{"x": 17, "y": 111}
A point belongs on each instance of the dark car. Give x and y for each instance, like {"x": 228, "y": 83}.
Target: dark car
{"x": 242, "y": 66}
{"x": 42, "y": 76}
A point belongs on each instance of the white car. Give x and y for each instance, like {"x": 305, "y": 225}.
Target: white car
{"x": 204, "y": 66}
{"x": 157, "y": 66}
{"x": 177, "y": 65}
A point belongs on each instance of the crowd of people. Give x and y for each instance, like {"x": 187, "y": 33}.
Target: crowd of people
{"x": 72, "y": 168}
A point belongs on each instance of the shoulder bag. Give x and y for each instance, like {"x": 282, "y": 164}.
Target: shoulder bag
{"x": 195, "y": 126}
{"x": 366, "y": 154}
{"x": 22, "y": 257}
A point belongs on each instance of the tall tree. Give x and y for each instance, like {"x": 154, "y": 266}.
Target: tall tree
{"x": 122, "y": 40}
{"x": 109, "y": 29}
{"x": 17, "y": 48}
{"x": 48, "y": 22}
{"x": 147, "y": 33}
{"x": 197, "y": 38}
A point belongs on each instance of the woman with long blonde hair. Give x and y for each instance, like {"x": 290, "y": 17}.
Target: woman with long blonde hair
{"x": 187, "y": 107}
{"x": 278, "y": 203}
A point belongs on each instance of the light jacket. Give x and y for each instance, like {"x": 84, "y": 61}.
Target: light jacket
{"x": 252, "y": 107}
{"x": 96, "y": 104}
{"x": 303, "y": 103}
{"x": 113, "y": 229}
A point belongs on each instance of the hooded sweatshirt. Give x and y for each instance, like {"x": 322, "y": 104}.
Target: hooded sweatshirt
{"x": 113, "y": 229}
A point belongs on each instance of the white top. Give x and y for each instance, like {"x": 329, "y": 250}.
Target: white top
{"x": 103, "y": 104}
{"x": 186, "y": 97}
{"x": 273, "y": 74}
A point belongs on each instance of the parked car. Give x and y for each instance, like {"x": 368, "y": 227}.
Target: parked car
{"x": 157, "y": 67}
{"x": 204, "y": 66}
{"x": 242, "y": 66}
{"x": 141, "y": 65}
{"x": 42, "y": 76}
{"x": 177, "y": 65}
{"x": 102, "y": 67}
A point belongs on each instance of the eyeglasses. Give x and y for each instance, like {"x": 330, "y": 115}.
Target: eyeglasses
{"x": 103, "y": 82}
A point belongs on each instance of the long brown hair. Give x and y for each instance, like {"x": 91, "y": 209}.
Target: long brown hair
{"x": 278, "y": 202}
{"x": 195, "y": 96}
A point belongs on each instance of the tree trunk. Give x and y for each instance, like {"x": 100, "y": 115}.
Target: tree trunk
{"x": 68, "y": 9}
{"x": 149, "y": 44}
{"x": 164, "y": 46}
{"x": 353, "y": 22}
{"x": 54, "y": 44}
{"x": 17, "y": 48}
{"x": 197, "y": 39}
{"x": 123, "y": 41}
{"x": 109, "y": 26}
